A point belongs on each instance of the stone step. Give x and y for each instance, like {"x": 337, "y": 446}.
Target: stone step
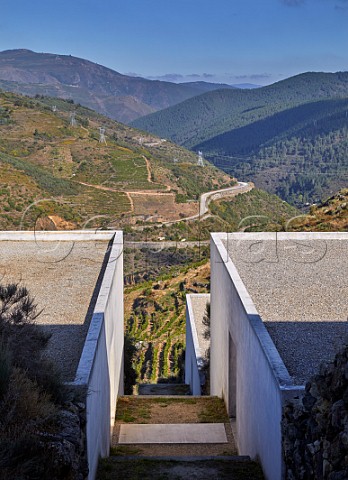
{"x": 167, "y": 389}
{"x": 167, "y": 433}
{"x": 184, "y": 458}
{"x": 177, "y": 468}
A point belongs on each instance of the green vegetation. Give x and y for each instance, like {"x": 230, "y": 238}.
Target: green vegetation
{"x": 290, "y": 138}
{"x": 31, "y": 392}
{"x": 43, "y": 157}
{"x": 224, "y": 110}
{"x": 256, "y": 210}
{"x": 134, "y": 409}
{"x": 301, "y": 160}
{"x": 155, "y": 322}
{"x": 52, "y": 185}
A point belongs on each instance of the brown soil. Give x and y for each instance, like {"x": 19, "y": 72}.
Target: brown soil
{"x": 162, "y": 410}
{"x": 162, "y": 206}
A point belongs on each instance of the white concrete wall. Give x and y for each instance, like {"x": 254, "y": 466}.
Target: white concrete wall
{"x": 100, "y": 370}
{"x": 262, "y": 381}
{"x": 193, "y": 354}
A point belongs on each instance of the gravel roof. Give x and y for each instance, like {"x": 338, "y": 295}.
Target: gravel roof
{"x": 300, "y": 289}
{"x": 63, "y": 278}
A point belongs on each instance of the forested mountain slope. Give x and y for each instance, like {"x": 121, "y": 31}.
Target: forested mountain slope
{"x": 301, "y": 154}
{"x": 204, "y": 117}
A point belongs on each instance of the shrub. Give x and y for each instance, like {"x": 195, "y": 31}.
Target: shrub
{"x": 25, "y": 341}
{"x": 30, "y": 390}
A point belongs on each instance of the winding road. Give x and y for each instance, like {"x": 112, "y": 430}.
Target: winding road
{"x": 206, "y": 198}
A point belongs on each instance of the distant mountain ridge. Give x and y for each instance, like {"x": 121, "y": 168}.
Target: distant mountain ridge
{"x": 121, "y": 97}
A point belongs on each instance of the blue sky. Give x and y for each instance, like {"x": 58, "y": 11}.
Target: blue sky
{"x": 232, "y": 41}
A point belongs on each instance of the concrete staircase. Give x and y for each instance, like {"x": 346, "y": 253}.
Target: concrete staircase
{"x": 172, "y": 437}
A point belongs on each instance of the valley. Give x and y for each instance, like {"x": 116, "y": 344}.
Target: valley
{"x": 289, "y": 138}
{"x": 57, "y": 172}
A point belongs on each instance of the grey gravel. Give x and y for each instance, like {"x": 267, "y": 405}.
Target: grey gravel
{"x": 300, "y": 289}
{"x": 199, "y": 305}
{"x": 63, "y": 279}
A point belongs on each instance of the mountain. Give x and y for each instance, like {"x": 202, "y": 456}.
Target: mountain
{"x": 301, "y": 154}
{"x": 118, "y": 96}
{"x": 203, "y": 87}
{"x": 246, "y": 85}
{"x": 204, "y": 117}
{"x": 56, "y": 171}
{"x": 289, "y": 138}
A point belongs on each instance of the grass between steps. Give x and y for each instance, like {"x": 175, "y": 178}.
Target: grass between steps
{"x": 164, "y": 409}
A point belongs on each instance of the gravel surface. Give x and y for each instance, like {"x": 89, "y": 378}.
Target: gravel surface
{"x": 63, "y": 278}
{"x": 199, "y": 304}
{"x": 300, "y": 289}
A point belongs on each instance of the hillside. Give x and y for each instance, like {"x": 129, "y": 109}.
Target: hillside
{"x": 155, "y": 321}
{"x": 329, "y": 216}
{"x": 300, "y": 154}
{"x": 52, "y": 170}
{"x": 118, "y": 96}
{"x": 254, "y": 210}
{"x": 204, "y": 117}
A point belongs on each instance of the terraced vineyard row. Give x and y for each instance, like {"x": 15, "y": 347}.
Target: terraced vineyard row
{"x": 155, "y": 321}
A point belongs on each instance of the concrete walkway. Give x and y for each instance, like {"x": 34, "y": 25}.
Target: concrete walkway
{"x": 173, "y": 433}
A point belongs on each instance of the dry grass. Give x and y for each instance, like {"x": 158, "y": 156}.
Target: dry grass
{"x": 161, "y": 410}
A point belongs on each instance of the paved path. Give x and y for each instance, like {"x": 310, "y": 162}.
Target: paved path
{"x": 165, "y": 425}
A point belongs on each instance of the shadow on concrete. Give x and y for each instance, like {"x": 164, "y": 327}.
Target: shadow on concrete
{"x": 67, "y": 341}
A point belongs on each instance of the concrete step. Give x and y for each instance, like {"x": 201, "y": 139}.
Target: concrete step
{"x": 163, "y": 389}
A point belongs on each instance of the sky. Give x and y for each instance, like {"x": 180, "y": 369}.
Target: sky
{"x": 225, "y": 41}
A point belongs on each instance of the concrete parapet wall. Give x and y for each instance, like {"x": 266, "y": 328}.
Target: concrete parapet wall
{"x": 194, "y": 356}
{"x": 246, "y": 369}
{"x": 100, "y": 371}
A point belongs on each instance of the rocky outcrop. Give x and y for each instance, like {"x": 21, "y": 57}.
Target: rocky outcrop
{"x": 315, "y": 428}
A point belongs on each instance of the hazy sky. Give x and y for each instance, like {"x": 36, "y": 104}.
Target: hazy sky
{"x": 233, "y": 41}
